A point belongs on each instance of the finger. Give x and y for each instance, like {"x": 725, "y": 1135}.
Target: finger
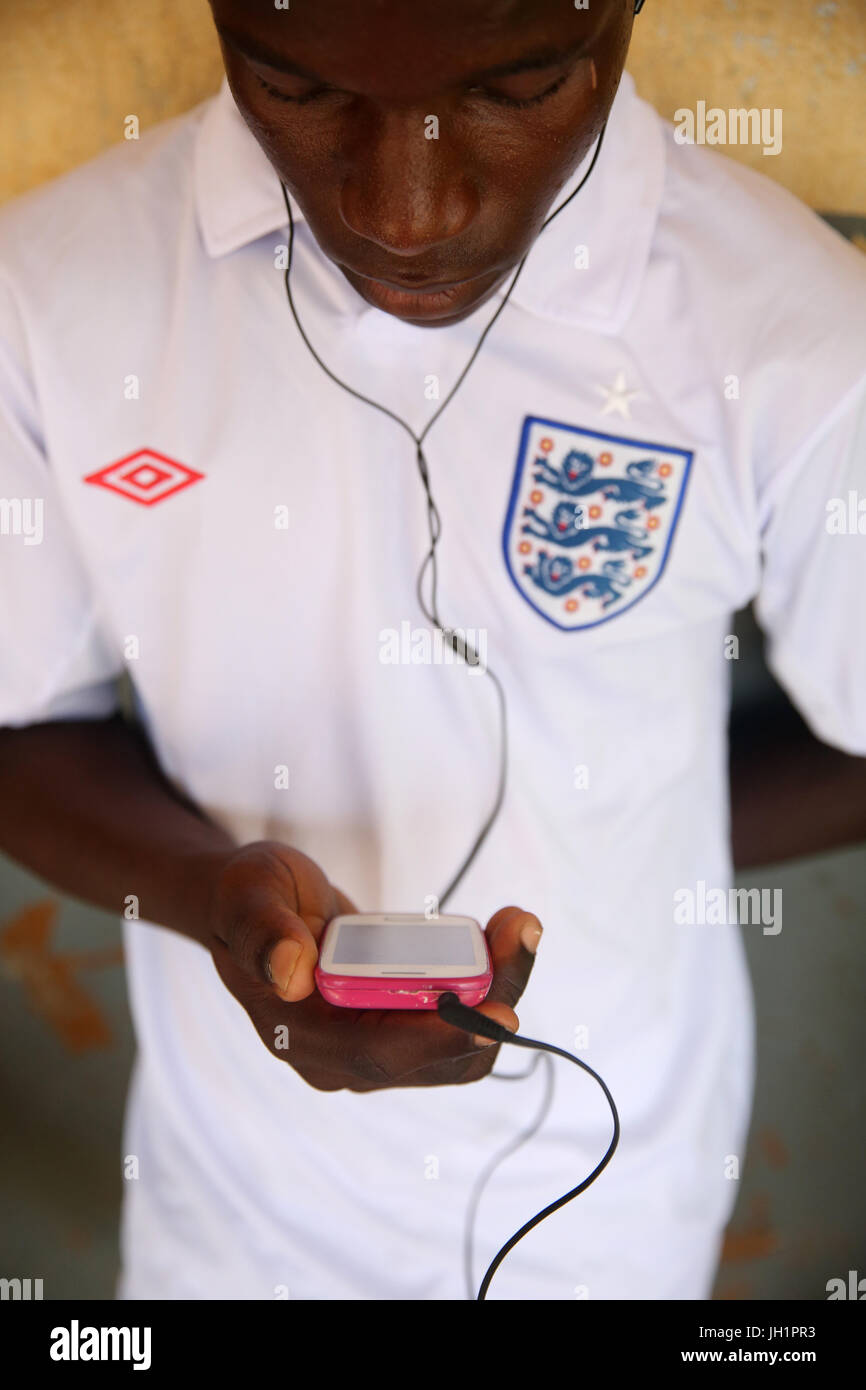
{"x": 292, "y": 961}
{"x": 301, "y": 981}
{"x": 272, "y": 945}
{"x": 300, "y": 1028}
{"x": 379, "y": 1046}
{"x": 512, "y": 937}
{"x": 500, "y": 1013}
{"x": 360, "y": 1050}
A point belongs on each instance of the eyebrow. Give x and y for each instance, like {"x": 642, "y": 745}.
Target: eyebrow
{"x": 543, "y": 58}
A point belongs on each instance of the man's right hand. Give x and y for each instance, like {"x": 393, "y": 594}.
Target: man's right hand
{"x": 269, "y": 906}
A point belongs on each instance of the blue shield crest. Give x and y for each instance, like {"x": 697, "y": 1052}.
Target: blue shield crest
{"x": 590, "y": 520}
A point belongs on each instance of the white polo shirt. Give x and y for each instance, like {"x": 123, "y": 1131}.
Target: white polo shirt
{"x": 683, "y": 358}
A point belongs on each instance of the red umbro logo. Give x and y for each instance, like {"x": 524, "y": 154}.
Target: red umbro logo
{"x": 145, "y": 476}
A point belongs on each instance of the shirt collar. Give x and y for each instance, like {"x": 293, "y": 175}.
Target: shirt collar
{"x": 239, "y": 200}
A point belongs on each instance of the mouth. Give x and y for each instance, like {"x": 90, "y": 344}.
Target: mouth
{"x": 417, "y": 299}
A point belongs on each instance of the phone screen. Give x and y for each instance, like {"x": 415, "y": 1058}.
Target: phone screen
{"x": 390, "y": 943}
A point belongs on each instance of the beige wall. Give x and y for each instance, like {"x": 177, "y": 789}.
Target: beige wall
{"x": 73, "y": 69}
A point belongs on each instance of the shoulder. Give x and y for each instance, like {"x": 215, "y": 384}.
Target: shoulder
{"x": 775, "y": 294}
{"x": 774, "y": 260}
{"x": 106, "y": 215}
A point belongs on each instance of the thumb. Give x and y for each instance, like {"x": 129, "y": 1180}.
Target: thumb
{"x": 292, "y": 960}
{"x": 512, "y": 937}
{"x": 273, "y": 945}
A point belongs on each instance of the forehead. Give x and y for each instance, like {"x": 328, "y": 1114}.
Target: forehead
{"x": 393, "y": 46}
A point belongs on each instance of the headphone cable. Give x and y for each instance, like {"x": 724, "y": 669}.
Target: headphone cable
{"x": 458, "y": 644}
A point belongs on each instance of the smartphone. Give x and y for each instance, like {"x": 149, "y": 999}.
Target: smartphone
{"x": 402, "y": 960}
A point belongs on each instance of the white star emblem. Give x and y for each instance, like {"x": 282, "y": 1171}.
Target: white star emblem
{"x": 618, "y": 397}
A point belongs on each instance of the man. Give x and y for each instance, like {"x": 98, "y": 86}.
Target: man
{"x": 223, "y": 521}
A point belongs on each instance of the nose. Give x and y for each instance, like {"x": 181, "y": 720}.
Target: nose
{"x": 404, "y": 191}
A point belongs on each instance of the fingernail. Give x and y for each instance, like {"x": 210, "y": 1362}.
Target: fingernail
{"x": 530, "y": 936}
{"x": 282, "y": 962}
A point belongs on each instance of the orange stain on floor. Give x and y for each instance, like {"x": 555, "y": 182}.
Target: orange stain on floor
{"x": 50, "y": 980}
{"x": 736, "y": 1292}
{"x": 773, "y": 1148}
{"x": 755, "y": 1236}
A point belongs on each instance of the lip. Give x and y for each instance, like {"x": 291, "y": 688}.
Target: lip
{"x": 420, "y": 286}
{"x": 428, "y": 300}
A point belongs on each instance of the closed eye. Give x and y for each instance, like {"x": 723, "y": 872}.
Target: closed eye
{"x": 514, "y": 99}
{"x": 298, "y": 98}
{"x": 518, "y": 98}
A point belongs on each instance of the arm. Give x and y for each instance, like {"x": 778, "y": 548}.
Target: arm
{"x": 791, "y": 794}
{"x": 84, "y": 805}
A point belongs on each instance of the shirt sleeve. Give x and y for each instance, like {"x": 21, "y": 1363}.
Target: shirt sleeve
{"x": 54, "y": 661}
{"x": 812, "y": 599}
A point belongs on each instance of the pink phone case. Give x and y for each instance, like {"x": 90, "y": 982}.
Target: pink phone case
{"x": 352, "y": 992}
{"x": 398, "y": 991}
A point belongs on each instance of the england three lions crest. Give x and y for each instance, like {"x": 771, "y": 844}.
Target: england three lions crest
{"x": 590, "y": 521}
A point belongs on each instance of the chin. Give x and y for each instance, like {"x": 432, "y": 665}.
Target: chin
{"x": 447, "y": 319}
